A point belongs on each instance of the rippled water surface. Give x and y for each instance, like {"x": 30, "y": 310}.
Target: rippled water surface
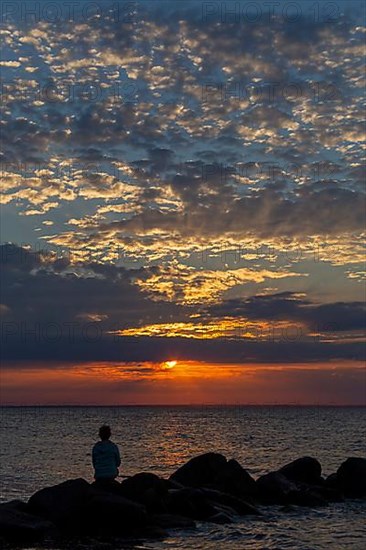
{"x": 46, "y": 445}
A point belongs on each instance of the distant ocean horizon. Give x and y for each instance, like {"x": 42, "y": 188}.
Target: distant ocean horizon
{"x": 179, "y": 405}
{"x": 45, "y": 445}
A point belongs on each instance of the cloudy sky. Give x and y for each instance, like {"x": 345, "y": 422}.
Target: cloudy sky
{"x": 183, "y": 210}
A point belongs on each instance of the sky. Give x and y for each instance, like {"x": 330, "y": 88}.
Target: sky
{"x": 182, "y": 202}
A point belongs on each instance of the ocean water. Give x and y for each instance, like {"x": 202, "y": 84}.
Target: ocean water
{"x": 43, "y": 446}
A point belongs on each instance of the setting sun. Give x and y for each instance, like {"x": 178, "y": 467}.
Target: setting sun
{"x": 169, "y": 364}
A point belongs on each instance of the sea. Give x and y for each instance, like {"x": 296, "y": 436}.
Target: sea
{"x": 43, "y": 446}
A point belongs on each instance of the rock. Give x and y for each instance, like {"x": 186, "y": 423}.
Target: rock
{"x": 221, "y": 518}
{"x": 152, "y": 532}
{"x": 138, "y": 484}
{"x": 16, "y": 504}
{"x": 306, "y": 498}
{"x": 298, "y": 482}
{"x": 200, "y": 471}
{"x": 203, "y": 504}
{"x": 18, "y": 526}
{"x": 110, "y": 514}
{"x": 328, "y": 493}
{"x": 171, "y": 484}
{"x": 106, "y": 486}
{"x": 148, "y": 489}
{"x": 235, "y": 480}
{"x": 304, "y": 470}
{"x": 274, "y": 488}
{"x": 332, "y": 481}
{"x": 173, "y": 521}
{"x": 351, "y": 477}
{"x": 238, "y": 505}
{"x": 191, "y": 503}
{"x": 154, "y": 501}
{"x": 63, "y": 504}
{"x": 212, "y": 470}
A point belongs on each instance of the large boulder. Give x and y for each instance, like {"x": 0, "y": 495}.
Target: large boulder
{"x": 237, "y": 505}
{"x": 191, "y": 503}
{"x": 274, "y": 488}
{"x": 331, "y": 481}
{"x": 212, "y": 470}
{"x": 63, "y": 504}
{"x": 234, "y": 479}
{"x": 148, "y": 489}
{"x": 110, "y": 514}
{"x": 200, "y": 471}
{"x": 106, "y": 486}
{"x": 18, "y": 526}
{"x": 351, "y": 477}
{"x": 328, "y": 493}
{"x": 305, "y": 497}
{"x": 303, "y": 470}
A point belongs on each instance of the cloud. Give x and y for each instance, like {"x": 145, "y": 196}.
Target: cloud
{"x": 335, "y": 317}
{"x": 175, "y": 165}
{"x": 266, "y": 214}
{"x": 85, "y": 312}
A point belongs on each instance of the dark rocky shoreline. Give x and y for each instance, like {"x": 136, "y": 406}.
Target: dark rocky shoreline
{"x": 208, "y": 488}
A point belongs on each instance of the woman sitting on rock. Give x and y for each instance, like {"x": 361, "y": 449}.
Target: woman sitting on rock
{"x": 106, "y": 457}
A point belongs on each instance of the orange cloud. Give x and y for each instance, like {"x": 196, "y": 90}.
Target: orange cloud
{"x": 227, "y": 327}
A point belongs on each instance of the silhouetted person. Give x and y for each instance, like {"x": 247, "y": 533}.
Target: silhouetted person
{"x": 106, "y": 457}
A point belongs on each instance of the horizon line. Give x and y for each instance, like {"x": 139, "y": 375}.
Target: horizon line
{"x": 203, "y": 404}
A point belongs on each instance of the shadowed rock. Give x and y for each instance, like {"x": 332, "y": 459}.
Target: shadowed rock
{"x": 203, "y": 504}
{"x": 173, "y": 521}
{"x": 221, "y": 518}
{"x": 106, "y": 486}
{"x": 234, "y": 479}
{"x": 190, "y": 502}
{"x": 17, "y": 525}
{"x": 332, "y": 481}
{"x": 63, "y": 504}
{"x": 328, "y": 493}
{"x": 200, "y": 471}
{"x": 148, "y": 489}
{"x": 299, "y": 482}
{"x": 214, "y": 471}
{"x": 116, "y": 515}
{"x": 303, "y": 497}
{"x": 351, "y": 477}
{"x": 238, "y": 506}
{"x": 303, "y": 470}
{"x": 274, "y": 488}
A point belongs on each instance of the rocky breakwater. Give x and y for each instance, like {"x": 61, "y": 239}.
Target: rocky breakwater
{"x": 207, "y": 488}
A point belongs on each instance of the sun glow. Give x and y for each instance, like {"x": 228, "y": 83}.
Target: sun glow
{"x": 176, "y": 382}
{"x": 169, "y": 364}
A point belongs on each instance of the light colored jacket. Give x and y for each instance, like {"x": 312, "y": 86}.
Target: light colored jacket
{"x": 106, "y": 459}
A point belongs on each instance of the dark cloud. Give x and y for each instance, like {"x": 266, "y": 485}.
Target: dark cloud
{"x": 94, "y": 346}
{"x": 264, "y": 214}
{"x": 334, "y": 317}
{"x": 41, "y": 290}
{"x": 55, "y": 310}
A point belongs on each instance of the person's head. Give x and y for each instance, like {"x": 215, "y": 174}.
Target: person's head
{"x": 105, "y": 432}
